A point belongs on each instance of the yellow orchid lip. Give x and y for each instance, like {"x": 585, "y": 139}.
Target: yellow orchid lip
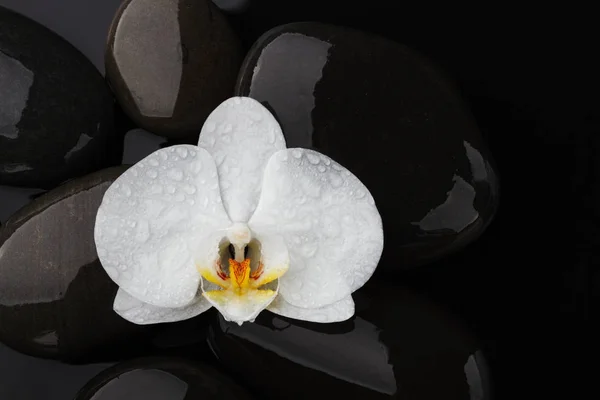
{"x": 241, "y": 278}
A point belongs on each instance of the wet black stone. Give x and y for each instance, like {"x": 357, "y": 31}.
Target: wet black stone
{"x": 170, "y": 64}
{"x": 30, "y": 378}
{"x": 398, "y": 346}
{"x": 55, "y": 297}
{"x": 56, "y": 113}
{"x": 161, "y": 379}
{"x": 392, "y": 118}
{"x": 139, "y": 144}
{"x": 13, "y": 198}
{"x": 84, "y": 24}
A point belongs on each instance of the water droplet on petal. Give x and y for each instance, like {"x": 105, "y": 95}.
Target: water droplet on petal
{"x": 297, "y": 153}
{"x": 153, "y": 162}
{"x": 176, "y": 174}
{"x": 182, "y": 151}
{"x": 152, "y": 173}
{"x": 312, "y": 158}
{"x": 335, "y": 180}
{"x": 322, "y": 168}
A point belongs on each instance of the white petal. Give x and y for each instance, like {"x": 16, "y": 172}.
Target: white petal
{"x": 241, "y": 135}
{"x": 142, "y": 313}
{"x": 329, "y": 222}
{"x": 153, "y": 220}
{"x": 336, "y": 312}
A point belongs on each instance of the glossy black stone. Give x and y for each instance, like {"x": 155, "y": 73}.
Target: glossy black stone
{"x": 13, "y": 198}
{"x": 56, "y": 113}
{"x": 55, "y": 297}
{"x": 139, "y": 144}
{"x": 388, "y": 115}
{"x": 161, "y": 379}
{"x": 398, "y": 346}
{"x": 70, "y": 18}
{"x": 30, "y": 378}
{"x": 170, "y": 63}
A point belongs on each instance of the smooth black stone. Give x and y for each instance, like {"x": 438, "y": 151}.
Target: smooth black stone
{"x": 389, "y": 116}
{"x": 56, "y": 113}
{"x": 84, "y": 24}
{"x": 232, "y": 6}
{"x": 29, "y": 378}
{"x": 13, "y": 198}
{"x": 171, "y": 63}
{"x": 139, "y": 144}
{"x": 161, "y": 379}
{"x": 55, "y": 297}
{"x": 398, "y": 346}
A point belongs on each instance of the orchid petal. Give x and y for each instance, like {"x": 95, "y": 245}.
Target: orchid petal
{"x": 141, "y": 313}
{"x": 153, "y": 221}
{"x": 336, "y": 312}
{"x": 329, "y": 222}
{"x": 241, "y": 135}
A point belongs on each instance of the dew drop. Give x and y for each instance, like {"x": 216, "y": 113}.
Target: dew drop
{"x": 180, "y": 197}
{"x": 153, "y": 162}
{"x": 176, "y": 174}
{"x": 312, "y": 158}
{"x": 297, "y": 153}
{"x": 152, "y": 173}
{"x": 189, "y": 189}
{"x": 228, "y": 128}
{"x": 335, "y": 180}
{"x": 171, "y": 189}
{"x": 322, "y": 168}
{"x": 182, "y": 151}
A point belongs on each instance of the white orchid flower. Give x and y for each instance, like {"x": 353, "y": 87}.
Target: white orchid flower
{"x": 240, "y": 223}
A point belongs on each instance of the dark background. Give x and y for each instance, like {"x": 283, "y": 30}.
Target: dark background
{"x": 527, "y": 287}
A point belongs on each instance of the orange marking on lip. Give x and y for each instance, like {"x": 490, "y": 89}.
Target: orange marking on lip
{"x": 256, "y": 274}
{"x": 240, "y": 272}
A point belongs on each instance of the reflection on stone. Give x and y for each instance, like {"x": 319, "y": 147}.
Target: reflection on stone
{"x": 15, "y": 81}
{"x": 454, "y": 213}
{"x": 155, "y": 91}
{"x": 84, "y": 139}
{"x": 478, "y": 164}
{"x": 304, "y": 62}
